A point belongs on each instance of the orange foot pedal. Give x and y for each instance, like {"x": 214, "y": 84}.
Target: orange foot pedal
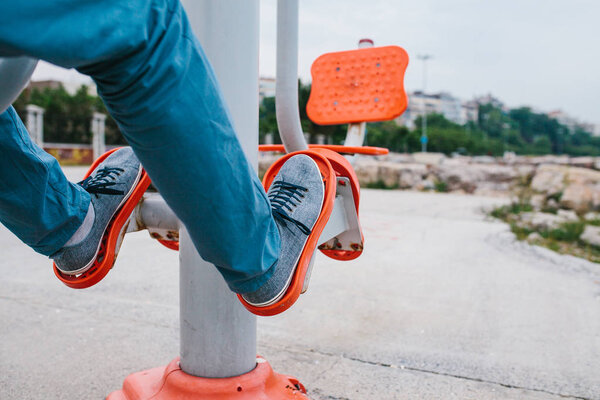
{"x": 347, "y": 245}
{"x": 112, "y": 239}
{"x": 298, "y": 281}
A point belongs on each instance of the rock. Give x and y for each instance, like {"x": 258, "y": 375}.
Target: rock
{"x": 568, "y": 215}
{"x": 537, "y": 201}
{"x": 551, "y": 203}
{"x": 429, "y": 158}
{"x": 410, "y": 178}
{"x": 389, "y": 173}
{"x": 367, "y": 170}
{"x": 586, "y": 162}
{"x": 484, "y": 159}
{"x": 541, "y": 221}
{"x": 583, "y": 175}
{"x": 577, "y": 197}
{"x": 398, "y": 158}
{"x": 425, "y": 184}
{"x": 549, "y": 159}
{"x": 591, "y": 216}
{"x": 549, "y": 179}
{"x": 524, "y": 170}
{"x": 534, "y": 237}
{"x": 482, "y": 177}
{"x": 595, "y": 196}
{"x": 591, "y": 235}
{"x": 509, "y": 157}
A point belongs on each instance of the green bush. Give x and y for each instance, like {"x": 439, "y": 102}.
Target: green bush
{"x": 567, "y": 232}
{"x": 380, "y": 184}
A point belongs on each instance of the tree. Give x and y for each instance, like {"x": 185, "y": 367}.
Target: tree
{"x": 67, "y": 118}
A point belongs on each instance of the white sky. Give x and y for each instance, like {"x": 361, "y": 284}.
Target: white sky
{"x": 542, "y": 53}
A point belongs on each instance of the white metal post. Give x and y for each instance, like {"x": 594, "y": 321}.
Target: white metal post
{"x": 286, "y": 86}
{"x": 424, "y": 138}
{"x": 98, "y": 134}
{"x": 355, "y": 137}
{"x": 218, "y": 335}
{"x": 35, "y": 123}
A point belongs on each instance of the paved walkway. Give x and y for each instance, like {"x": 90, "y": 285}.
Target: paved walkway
{"x": 443, "y": 304}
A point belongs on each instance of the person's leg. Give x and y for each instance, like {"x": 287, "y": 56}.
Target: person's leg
{"x": 37, "y": 202}
{"x": 159, "y": 86}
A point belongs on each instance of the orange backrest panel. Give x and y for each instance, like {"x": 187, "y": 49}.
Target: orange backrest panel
{"x": 358, "y": 85}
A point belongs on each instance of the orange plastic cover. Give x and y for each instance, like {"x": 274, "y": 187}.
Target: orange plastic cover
{"x": 297, "y": 282}
{"x": 368, "y": 150}
{"x": 358, "y": 85}
{"x": 111, "y": 239}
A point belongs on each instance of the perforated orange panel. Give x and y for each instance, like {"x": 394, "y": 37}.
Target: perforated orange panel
{"x": 358, "y": 85}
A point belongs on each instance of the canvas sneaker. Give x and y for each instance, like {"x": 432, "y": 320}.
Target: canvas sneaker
{"x": 296, "y": 197}
{"x": 110, "y": 185}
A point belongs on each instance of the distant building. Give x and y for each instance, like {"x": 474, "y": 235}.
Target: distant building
{"x": 266, "y": 88}
{"x": 594, "y": 129}
{"x": 572, "y": 123}
{"x": 470, "y": 111}
{"x": 452, "y": 108}
{"x": 488, "y": 99}
{"x": 70, "y": 86}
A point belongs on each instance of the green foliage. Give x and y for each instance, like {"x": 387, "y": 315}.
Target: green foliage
{"x": 440, "y": 186}
{"x": 521, "y": 232}
{"x": 380, "y": 184}
{"x": 67, "y": 118}
{"x": 567, "y": 232}
{"x": 517, "y": 207}
{"x": 565, "y": 239}
{"x": 389, "y": 135}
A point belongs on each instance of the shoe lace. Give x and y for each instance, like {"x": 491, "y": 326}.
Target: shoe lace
{"x": 101, "y": 181}
{"x": 284, "y": 196}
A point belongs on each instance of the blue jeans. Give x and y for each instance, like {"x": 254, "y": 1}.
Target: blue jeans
{"x": 159, "y": 86}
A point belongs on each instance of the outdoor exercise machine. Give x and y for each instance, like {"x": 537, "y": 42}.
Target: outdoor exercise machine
{"x": 218, "y": 335}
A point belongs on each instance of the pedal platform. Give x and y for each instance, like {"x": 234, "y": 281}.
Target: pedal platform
{"x": 298, "y": 279}
{"x": 112, "y": 239}
{"x": 344, "y": 236}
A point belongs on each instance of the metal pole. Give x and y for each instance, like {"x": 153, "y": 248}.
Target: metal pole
{"x": 35, "y": 123}
{"x": 424, "y": 58}
{"x": 98, "y": 134}
{"x": 286, "y": 85}
{"x": 356, "y": 132}
{"x": 218, "y": 335}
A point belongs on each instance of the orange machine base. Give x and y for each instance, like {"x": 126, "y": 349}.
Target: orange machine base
{"x": 172, "y": 383}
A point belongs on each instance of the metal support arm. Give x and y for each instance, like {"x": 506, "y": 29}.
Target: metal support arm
{"x": 286, "y": 85}
{"x": 14, "y": 75}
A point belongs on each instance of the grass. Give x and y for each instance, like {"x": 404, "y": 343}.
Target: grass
{"x": 514, "y": 208}
{"x": 440, "y": 186}
{"x": 565, "y": 239}
{"x": 380, "y": 184}
{"x": 595, "y": 222}
{"x": 520, "y": 232}
{"x": 567, "y": 232}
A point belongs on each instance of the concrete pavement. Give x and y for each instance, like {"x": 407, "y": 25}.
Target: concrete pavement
{"x": 443, "y": 304}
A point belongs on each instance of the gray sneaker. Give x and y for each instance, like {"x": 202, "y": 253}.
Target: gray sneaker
{"x": 296, "y": 196}
{"x": 110, "y": 185}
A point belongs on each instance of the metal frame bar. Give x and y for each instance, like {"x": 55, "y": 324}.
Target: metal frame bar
{"x": 15, "y": 72}
{"x": 218, "y": 335}
{"x": 286, "y": 84}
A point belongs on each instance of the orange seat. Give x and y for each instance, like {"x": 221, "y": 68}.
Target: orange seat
{"x": 363, "y": 85}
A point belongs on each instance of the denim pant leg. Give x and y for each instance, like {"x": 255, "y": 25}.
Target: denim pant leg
{"x": 37, "y": 202}
{"x": 159, "y": 86}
